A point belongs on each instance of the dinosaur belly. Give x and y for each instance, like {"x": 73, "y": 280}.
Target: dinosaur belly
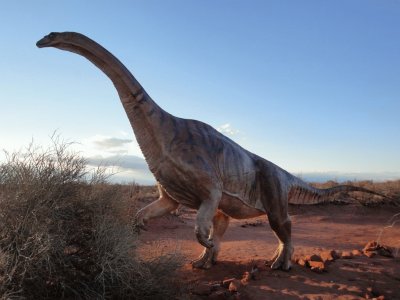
{"x": 237, "y": 208}
{"x": 244, "y": 191}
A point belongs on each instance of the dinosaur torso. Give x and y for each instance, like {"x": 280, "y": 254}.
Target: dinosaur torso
{"x": 198, "y": 156}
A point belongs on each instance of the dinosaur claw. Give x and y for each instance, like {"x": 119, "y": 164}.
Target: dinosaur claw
{"x": 137, "y": 227}
{"x": 204, "y": 261}
{"x": 281, "y": 259}
{"x": 203, "y": 240}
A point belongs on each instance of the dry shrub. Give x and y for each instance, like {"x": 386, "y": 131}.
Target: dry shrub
{"x": 62, "y": 234}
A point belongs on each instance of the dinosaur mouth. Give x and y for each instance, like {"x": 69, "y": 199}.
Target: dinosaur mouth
{"x": 44, "y": 42}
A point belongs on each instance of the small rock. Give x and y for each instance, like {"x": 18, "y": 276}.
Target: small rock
{"x": 301, "y": 262}
{"x": 385, "y": 251}
{"x": 246, "y": 278}
{"x": 370, "y": 254}
{"x": 329, "y": 255}
{"x": 202, "y": 289}
{"x": 336, "y": 254}
{"x": 235, "y": 286}
{"x": 371, "y": 246}
{"x": 373, "y": 294}
{"x": 356, "y": 252}
{"x": 375, "y": 248}
{"x": 317, "y": 266}
{"x": 313, "y": 257}
{"x": 347, "y": 255}
{"x": 227, "y": 282}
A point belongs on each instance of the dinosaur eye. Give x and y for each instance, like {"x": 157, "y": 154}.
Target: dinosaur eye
{"x": 52, "y": 35}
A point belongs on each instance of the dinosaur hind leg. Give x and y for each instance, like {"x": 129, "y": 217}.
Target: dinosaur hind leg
{"x": 209, "y": 255}
{"x": 163, "y": 205}
{"x": 281, "y": 225}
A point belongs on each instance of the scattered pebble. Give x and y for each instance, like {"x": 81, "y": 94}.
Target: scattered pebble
{"x": 317, "y": 266}
{"x": 329, "y": 255}
{"x": 227, "y": 282}
{"x": 370, "y": 254}
{"x": 313, "y": 257}
{"x": 357, "y": 252}
{"x": 301, "y": 262}
{"x": 235, "y": 286}
{"x": 246, "y": 278}
{"x": 347, "y": 255}
{"x": 373, "y": 248}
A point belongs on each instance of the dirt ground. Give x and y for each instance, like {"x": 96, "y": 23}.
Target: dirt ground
{"x": 249, "y": 243}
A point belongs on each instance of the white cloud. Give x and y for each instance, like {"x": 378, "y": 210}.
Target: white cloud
{"x": 110, "y": 142}
{"x": 120, "y": 154}
{"x": 126, "y": 168}
{"x": 109, "y": 146}
{"x": 227, "y": 129}
{"x": 123, "y": 161}
{"x": 128, "y": 175}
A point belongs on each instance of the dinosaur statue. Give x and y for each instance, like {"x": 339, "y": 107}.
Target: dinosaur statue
{"x": 197, "y": 166}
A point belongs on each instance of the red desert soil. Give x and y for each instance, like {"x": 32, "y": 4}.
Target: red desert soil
{"x": 315, "y": 229}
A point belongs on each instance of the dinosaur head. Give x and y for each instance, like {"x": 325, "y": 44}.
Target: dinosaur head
{"x": 57, "y": 39}
{"x": 49, "y": 40}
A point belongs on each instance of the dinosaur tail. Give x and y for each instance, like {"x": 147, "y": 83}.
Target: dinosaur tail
{"x": 302, "y": 193}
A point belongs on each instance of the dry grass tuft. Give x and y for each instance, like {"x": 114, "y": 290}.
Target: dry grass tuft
{"x": 63, "y": 234}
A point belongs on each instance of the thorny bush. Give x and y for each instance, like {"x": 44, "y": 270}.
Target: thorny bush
{"x": 62, "y": 234}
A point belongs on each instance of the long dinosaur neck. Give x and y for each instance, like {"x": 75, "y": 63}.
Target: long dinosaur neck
{"x": 143, "y": 113}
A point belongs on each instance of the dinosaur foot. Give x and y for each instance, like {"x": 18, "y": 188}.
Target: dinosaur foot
{"x": 205, "y": 261}
{"x": 282, "y": 258}
{"x": 138, "y": 224}
{"x": 137, "y": 228}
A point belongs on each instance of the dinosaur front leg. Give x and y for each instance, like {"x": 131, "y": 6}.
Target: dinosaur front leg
{"x": 209, "y": 255}
{"x": 158, "y": 208}
{"x": 204, "y": 218}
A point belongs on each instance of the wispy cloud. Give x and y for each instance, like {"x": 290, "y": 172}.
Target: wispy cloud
{"x": 120, "y": 155}
{"x": 126, "y": 168}
{"x": 110, "y": 142}
{"x": 110, "y": 145}
{"x": 123, "y": 161}
{"x": 227, "y": 129}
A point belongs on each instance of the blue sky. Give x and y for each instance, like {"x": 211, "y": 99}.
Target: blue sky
{"x": 312, "y": 86}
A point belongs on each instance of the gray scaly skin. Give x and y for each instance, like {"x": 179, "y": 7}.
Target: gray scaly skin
{"x": 197, "y": 166}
